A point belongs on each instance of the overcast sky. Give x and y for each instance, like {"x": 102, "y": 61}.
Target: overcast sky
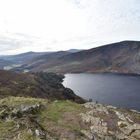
{"x": 49, "y": 25}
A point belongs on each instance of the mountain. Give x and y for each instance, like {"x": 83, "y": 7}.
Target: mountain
{"x": 121, "y": 57}
{"x": 23, "y": 57}
{"x": 74, "y": 50}
{"x": 42, "y": 60}
{"x": 37, "y": 85}
{"x": 28, "y": 56}
{"x": 4, "y": 63}
{"x": 8, "y": 62}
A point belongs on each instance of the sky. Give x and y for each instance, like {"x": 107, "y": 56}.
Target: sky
{"x": 52, "y": 25}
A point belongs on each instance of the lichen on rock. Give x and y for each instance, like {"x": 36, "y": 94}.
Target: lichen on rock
{"x": 110, "y": 123}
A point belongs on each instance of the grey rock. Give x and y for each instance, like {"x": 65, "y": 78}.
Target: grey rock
{"x": 136, "y": 134}
{"x": 116, "y": 125}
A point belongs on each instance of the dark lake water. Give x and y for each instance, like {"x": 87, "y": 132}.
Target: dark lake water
{"x": 110, "y": 89}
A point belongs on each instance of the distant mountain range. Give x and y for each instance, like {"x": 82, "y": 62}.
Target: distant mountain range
{"x": 11, "y": 61}
{"x": 20, "y": 58}
{"x": 120, "y": 57}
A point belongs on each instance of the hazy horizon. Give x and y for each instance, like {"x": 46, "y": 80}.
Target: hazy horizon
{"x": 64, "y": 49}
{"x": 42, "y": 26}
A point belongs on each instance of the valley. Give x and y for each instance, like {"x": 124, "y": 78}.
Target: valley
{"x": 36, "y": 103}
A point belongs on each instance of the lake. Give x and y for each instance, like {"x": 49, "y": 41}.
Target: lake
{"x": 111, "y": 89}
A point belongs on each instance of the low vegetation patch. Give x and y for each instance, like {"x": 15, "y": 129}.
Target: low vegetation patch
{"x": 25, "y": 118}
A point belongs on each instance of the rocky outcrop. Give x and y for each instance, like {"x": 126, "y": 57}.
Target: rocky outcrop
{"x": 40, "y": 119}
{"x": 7, "y": 113}
{"x": 110, "y": 123}
{"x": 24, "y": 118}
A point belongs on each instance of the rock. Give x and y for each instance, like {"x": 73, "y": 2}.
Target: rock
{"x": 129, "y": 119}
{"x": 99, "y": 130}
{"x": 104, "y": 123}
{"x": 30, "y": 109}
{"x": 112, "y": 107}
{"x": 136, "y": 126}
{"x": 108, "y": 123}
{"x": 9, "y": 113}
{"x": 18, "y": 125}
{"x": 121, "y": 116}
{"x": 37, "y": 132}
{"x": 41, "y": 134}
{"x": 122, "y": 136}
{"x": 130, "y": 128}
{"x": 136, "y": 134}
{"x": 88, "y": 134}
{"x": 90, "y": 105}
{"x": 111, "y": 132}
{"x": 122, "y": 124}
{"x": 90, "y": 119}
{"x": 98, "y": 107}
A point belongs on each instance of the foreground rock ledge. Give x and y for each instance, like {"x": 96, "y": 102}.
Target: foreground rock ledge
{"x": 41, "y": 119}
{"x": 111, "y": 123}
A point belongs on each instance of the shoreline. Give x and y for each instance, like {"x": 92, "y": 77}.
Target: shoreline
{"x": 114, "y": 73}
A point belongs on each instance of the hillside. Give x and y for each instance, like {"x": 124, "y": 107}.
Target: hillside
{"x": 21, "y": 58}
{"x": 8, "y": 62}
{"x": 37, "y": 85}
{"x": 39, "y": 119}
{"x": 121, "y": 57}
{"x": 4, "y": 63}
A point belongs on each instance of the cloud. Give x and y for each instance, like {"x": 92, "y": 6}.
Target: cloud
{"x": 80, "y": 3}
{"x": 13, "y": 43}
{"x": 59, "y": 25}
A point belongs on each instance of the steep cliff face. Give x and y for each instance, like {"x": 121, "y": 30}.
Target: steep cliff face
{"x": 122, "y": 57}
{"x": 38, "y": 85}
